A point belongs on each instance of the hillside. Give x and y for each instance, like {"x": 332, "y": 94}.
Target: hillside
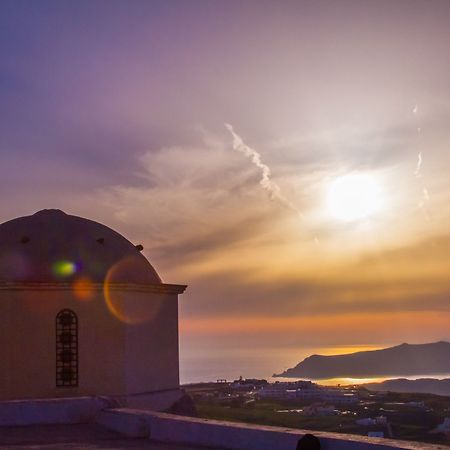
{"x": 422, "y": 385}
{"x": 401, "y": 360}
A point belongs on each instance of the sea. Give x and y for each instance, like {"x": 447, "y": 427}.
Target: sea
{"x": 230, "y": 364}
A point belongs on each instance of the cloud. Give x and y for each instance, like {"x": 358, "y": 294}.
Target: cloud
{"x": 204, "y": 220}
{"x": 302, "y": 336}
{"x": 188, "y": 205}
{"x": 243, "y": 296}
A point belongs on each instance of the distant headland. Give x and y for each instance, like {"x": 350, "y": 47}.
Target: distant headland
{"x": 421, "y": 385}
{"x": 401, "y": 360}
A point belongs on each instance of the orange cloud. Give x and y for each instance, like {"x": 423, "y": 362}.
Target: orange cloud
{"x": 369, "y": 324}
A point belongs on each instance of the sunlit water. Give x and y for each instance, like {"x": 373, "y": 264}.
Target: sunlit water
{"x": 256, "y": 363}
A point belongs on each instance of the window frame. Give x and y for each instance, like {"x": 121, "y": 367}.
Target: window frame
{"x": 66, "y": 335}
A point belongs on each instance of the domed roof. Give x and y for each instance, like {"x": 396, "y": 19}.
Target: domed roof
{"x": 53, "y": 246}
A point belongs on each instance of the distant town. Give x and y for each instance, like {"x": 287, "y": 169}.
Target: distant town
{"x": 347, "y": 409}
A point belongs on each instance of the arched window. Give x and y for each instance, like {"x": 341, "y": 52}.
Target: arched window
{"x": 66, "y": 349}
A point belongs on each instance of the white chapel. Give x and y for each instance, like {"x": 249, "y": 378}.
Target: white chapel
{"x": 83, "y": 312}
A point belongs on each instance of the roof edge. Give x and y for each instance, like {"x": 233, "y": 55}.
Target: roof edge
{"x": 159, "y": 288}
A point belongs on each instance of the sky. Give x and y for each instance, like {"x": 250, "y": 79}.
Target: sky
{"x": 217, "y": 134}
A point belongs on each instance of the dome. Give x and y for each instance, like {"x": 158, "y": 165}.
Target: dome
{"x": 52, "y": 246}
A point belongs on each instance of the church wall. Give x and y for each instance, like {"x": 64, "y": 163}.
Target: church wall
{"x": 127, "y": 344}
{"x": 101, "y": 348}
{"x": 151, "y": 352}
{"x": 28, "y": 345}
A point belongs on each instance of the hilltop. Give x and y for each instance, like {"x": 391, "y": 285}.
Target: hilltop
{"x": 421, "y": 385}
{"x": 401, "y": 360}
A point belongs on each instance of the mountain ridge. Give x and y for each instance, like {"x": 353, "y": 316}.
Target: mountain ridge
{"x": 400, "y": 360}
{"x": 421, "y": 385}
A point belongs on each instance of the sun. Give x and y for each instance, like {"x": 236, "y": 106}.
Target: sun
{"x": 354, "y": 197}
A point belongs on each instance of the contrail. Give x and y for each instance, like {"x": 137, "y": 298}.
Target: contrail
{"x": 419, "y": 165}
{"x": 425, "y": 198}
{"x": 269, "y": 185}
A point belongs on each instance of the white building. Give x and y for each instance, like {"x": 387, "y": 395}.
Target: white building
{"x": 366, "y": 422}
{"x": 341, "y": 397}
{"x": 319, "y": 410}
{"x": 306, "y": 390}
{"x": 376, "y": 434}
{"x": 273, "y": 392}
{"x": 444, "y": 427}
{"x": 83, "y": 312}
{"x": 306, "y": 394}
{"x": 420, "y": 404}
{"x": 380, "y": 420}
{"x": 287, "y": 389}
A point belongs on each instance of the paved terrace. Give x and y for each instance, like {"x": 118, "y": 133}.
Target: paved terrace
{"x": 76, "y": 437}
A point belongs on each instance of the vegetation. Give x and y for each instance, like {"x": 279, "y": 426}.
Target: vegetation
{"x": 406, "y": 421}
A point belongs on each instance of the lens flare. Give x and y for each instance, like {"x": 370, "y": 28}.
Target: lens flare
{"x": 130, "y": 307}
{"x": 83, "y": 289}
{"x": 64, "y": 269}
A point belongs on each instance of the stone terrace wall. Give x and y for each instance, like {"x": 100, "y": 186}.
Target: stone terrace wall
{"x": 236, "y": 436}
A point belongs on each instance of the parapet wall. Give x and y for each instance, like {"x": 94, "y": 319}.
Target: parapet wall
{"x": 236, "y": 436}
{"x": 56, "y": 411}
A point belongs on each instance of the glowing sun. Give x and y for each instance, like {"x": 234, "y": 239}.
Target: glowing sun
{"x": 354, "y": 197}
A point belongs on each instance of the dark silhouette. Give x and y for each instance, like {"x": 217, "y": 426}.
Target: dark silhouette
{"x": 404, "y": 360}
{"x": 308, "y": 442}
{"x": 184, "y": 406}
{"x": 422, "y": 385}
